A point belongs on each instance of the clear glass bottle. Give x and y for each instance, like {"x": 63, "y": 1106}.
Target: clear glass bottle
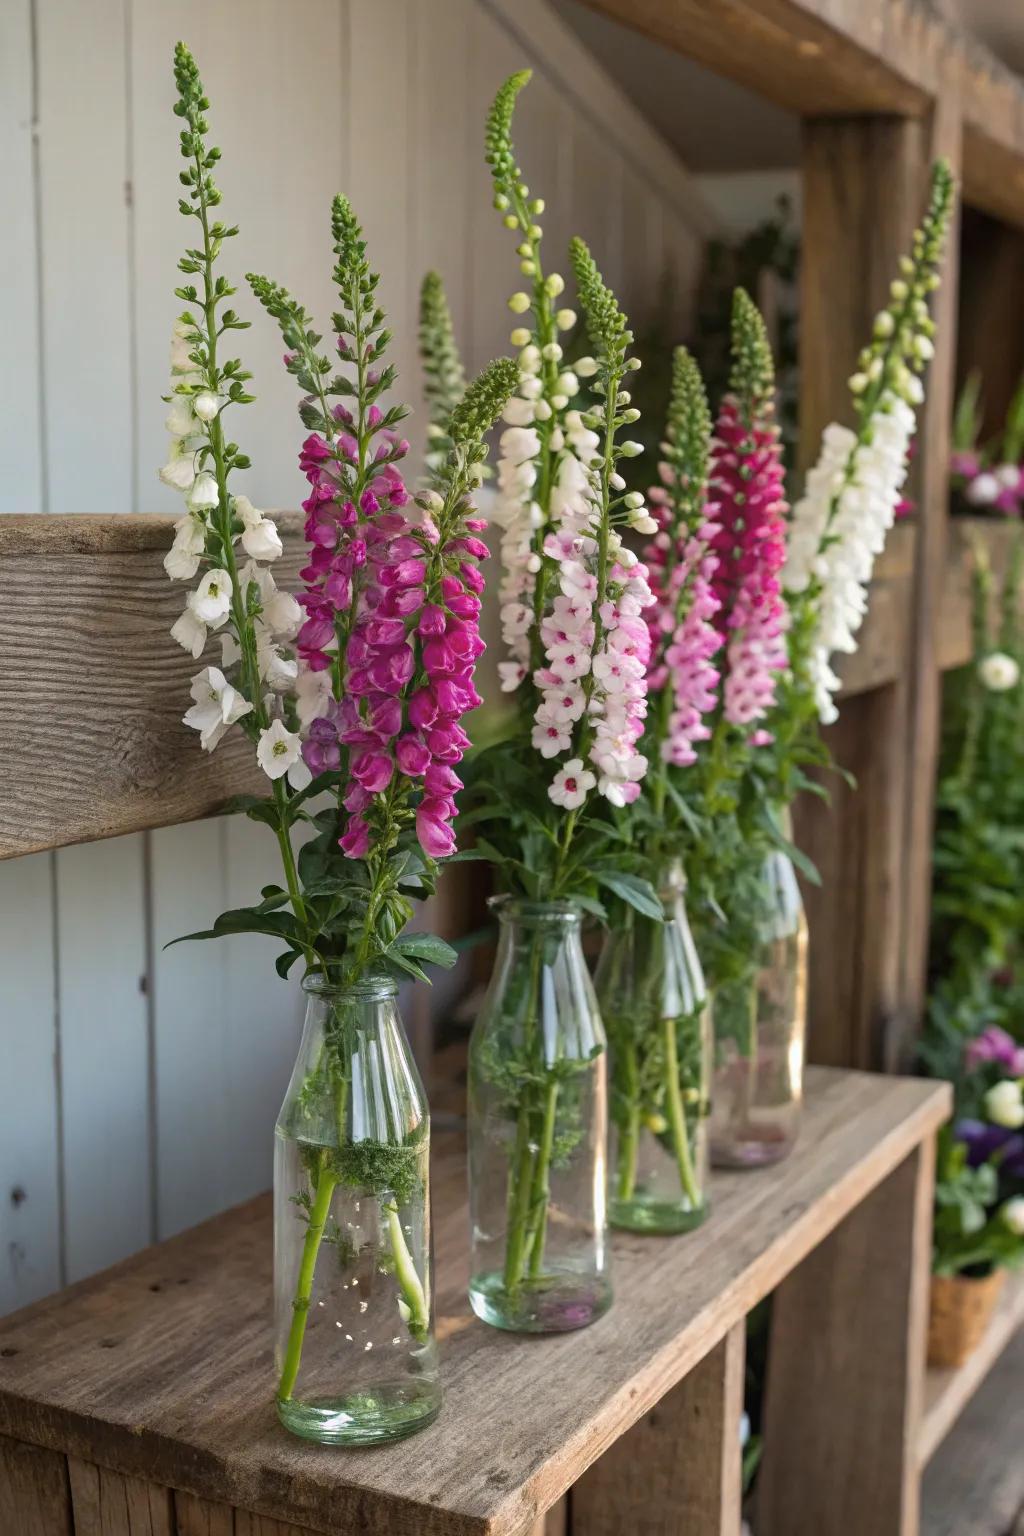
{"x": 650, "y": 989}
{"x": 537, "y": 1130}
{"x": 356, "y": 1356}
{"x": 760, "y": 1023}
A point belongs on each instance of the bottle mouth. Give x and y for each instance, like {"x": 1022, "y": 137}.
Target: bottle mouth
{"x": 373, "y": 988}
{"x": 520, "y": 909}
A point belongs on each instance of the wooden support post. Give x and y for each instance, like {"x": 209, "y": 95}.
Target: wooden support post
{"x": 678, "y": 1470}
{"x": 846, "y": 1371}
{"x": 34, "y": 1496}
{"x": 865, "y": 183}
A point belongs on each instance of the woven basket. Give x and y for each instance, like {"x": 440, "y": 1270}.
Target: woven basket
{"x": 961, "y": 1309}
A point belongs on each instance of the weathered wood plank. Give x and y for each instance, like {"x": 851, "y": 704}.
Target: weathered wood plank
{"x": 846, "y": 1370}
{"x": 180, "y": 1391}
{"x": 93, "y": 689}
{"x": 680, "y": 1466}
{"x": 202, "y": 1517}
{"x": 34, "y": 1495}
{"x": 107, "y": 1503}
{"x": 825, "y": 57}
{"x": 947, "y": 1392}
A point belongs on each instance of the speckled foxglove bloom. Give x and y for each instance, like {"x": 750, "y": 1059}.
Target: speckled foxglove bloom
{"x": 682, "y": 563}
{"x": 222, "y": 538}
{"x": 392, "y": 584}
{"x": 840, "y": 523}
{"x": 746, "y": 485}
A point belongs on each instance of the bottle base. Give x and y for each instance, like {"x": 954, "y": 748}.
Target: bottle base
{"x": 374, "y": 1417}
{"x": 655, "y": 1216}
{"x": 549, "y": 1304}
{"x": 752, "y": 1153}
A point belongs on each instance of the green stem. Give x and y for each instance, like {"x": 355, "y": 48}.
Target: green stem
{"x": 677, "y": 1118}
{"x": 540, "y": 1193}
{"x": 323, "y": 1193}
{"x": 418, "y": 1321}
{"x": 520, "y": 1181}
{"x": 629, "y": 1135}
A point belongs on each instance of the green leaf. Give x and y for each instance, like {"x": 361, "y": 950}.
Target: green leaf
{"x": 261, "y": 919}
{"x": 425, "y": 946}
{"x": 640, "y": 894}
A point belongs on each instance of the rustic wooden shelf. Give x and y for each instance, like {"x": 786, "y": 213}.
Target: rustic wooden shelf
{"x": 947, "y": 1392}
{"x": 158, "y": 1371}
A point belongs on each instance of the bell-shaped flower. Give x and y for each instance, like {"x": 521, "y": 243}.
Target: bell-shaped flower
{"x": 190, "y": 632}
{"x": 204, "y": 495}
{"x": 217, "y": 705}
{"x": 280, "y": 752}
{"x": 211, "y": 600}
{"x": 181, "y": 561}
{"x": 260, "y": 538}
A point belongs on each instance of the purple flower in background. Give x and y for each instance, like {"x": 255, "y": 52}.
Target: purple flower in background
{"x": 994, "y": 1044}
{"x": 984, "y": 1142}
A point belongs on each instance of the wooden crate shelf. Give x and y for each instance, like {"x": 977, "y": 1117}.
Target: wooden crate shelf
{"x": 158, "y": 1371}
{"x": 947, "y": 1392}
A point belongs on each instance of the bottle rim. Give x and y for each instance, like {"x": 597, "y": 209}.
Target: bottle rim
{"x": 372, "y": 988}
{"x": 508, "y": 908}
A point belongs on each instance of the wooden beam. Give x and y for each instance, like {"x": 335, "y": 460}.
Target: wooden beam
{"x": 821, "y": 58}
{"x": 680, "y": 1463}
{"x": 864, "y": 186}
{"x": 93, "y": 688}
{"x": 846, "y": 1371}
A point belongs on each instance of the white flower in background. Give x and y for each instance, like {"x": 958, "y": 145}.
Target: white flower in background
{"x": 184, "y": 341}
{"x": 1004, "y": 1106}
{"x": 181, "y": 561}
{"x": 279, "y": 672}
{"x": 282, "y": 613}
{"x": 211, "y": 600}
{"x": 181, "y": 421}
{"x": 313, "y": 696}
{"x": 204, "y": 495}
{"x": 572, "y": 784}
{"x": 280, "y": 752}
{"x": 982, "y": 490}
{"x": 1011, "y": 1213}
{"x": 217, "y": 705}
{"x": 999, "y": 672}
{"x": 190, "y": 633}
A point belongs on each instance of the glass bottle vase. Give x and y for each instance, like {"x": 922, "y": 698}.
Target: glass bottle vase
{"x": 356, "y": 1356}
{"x": 537, "y": 1128}
{"x": 650, "y": 989}
{"x": 760, "y": 1022}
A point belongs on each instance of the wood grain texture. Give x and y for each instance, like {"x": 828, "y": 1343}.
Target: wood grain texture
{"x": 948, "y": 1392}
{"x": 107, "y": 1503}
{"x": 846, "y": 1370}
{"x": 94, "y": 688}
{"x": 864, "y": 183}
{"x": 680, "y": 1466}
{"x": 975, "y": 1487}
{"x": 161, "y": 1368}
{"x": 34, "y": 1496}
{"x": 822, "y": 58}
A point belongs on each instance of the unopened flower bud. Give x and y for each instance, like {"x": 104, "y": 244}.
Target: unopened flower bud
{"x": 554, "y": 284}
{"x": 537, "y": 206}
{"x": 520, "y": 337}
{"x": 565, "y": 319}
{"x": 898, "y": 289}
{"x": 632, "y": 364}
{"x": 924, "y": 348}
{"x": 500, "y": 201}
{"x": 568, "y": 383}
{"x": 559, "y": 401}
{"x": 634, "y": 500}
{"x": 586, "y": 367}
{"x": 884, "y": 324}
{"x": 542, "y": 410}
{"x": 616, "y": 482}
{"x": 206, "y": 405}
{"x": 630, "y": 449}
{"x": 510, "y": 221}
{"x": 528, "y": 268}
{"x": 858, "y": 383}
{"x": 519, "y": 303}
{"x": 631, "y": 415}
{"x": 645, "y": 524}
{"x": 552, "y": 352}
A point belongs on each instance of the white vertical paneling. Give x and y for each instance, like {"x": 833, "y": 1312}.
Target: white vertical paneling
{"x": 104, "y": 1052}
{"x": 29, "y": 1135}
{"x": 262, "y": 1015}
{"x": 380, "y": 173}
{"x": 21, "y": 487}
{"x": 494, "y": 267}
{"x": 277, "y": 113}
{"x": 195, "y": 1073}
{"x": 83, "y": 142}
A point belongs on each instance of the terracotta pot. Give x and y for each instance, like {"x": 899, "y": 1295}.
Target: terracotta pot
{"x": 961, "y": 1309}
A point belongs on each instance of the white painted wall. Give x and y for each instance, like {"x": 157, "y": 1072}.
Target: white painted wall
{"x": 138, "y": 1086}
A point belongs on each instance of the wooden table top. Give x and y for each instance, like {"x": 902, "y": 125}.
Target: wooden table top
{"x": 161, "y": 1367}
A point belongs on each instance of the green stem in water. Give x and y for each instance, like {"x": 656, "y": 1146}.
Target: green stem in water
{"x": 629, "y": 1135}
{"x": 418, "y": 1321}
{"x": 520, "y": 1179}
{"x": 677, "y": 1118}
{"x": 540, "y": 1193}
{"x": 323, "y": 1194}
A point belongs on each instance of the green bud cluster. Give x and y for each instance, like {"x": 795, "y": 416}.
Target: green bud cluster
{"x": 483, "y": 402}
{"x": 752, "y": 377}
{"x": 901, "y": 345}
{"x": 499, "y": 153}
{"x": 444, "y": 376}
{"x": 606, "y": 324}
{"x": 688, "y": 437}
